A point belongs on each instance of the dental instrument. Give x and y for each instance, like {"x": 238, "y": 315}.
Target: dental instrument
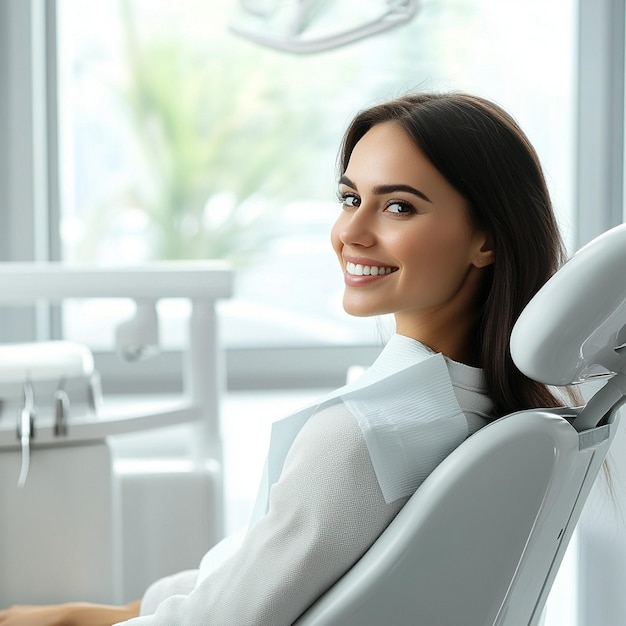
{"x": 25, "y": 430}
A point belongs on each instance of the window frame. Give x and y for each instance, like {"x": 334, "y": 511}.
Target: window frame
{"x": 25, "y": 152}
{"x": 600, "y": 120}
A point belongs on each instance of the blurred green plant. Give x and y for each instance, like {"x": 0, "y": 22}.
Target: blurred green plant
{"x": 212, "y": 148}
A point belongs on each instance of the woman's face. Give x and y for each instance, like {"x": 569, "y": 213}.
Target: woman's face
{"x": 404, "y": 239}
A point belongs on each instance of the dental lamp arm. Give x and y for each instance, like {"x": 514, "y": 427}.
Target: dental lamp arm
{"x": 399, "y": 12}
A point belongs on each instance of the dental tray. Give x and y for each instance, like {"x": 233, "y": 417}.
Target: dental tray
{"x": 59, "y": 375}
{"x": 37, "y": 381}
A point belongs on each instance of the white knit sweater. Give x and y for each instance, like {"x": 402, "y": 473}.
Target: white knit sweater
{"x": 324, "y": 511}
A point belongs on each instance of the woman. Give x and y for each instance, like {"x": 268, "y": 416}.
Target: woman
{"x": 446, "y": 222}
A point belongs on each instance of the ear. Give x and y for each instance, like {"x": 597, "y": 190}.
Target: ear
{"x": 485, "y": 255}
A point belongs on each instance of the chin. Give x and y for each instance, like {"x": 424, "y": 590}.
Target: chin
{"x": 356, "y": 310}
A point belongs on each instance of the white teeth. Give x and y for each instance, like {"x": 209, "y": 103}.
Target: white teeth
{"x": 367, "y": 270}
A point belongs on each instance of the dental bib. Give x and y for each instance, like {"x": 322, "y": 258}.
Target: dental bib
{"x": 403, "y": 400}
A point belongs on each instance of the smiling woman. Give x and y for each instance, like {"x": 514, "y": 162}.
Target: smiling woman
{"x": 339, "y": 470}
{"x": 474, "y": 170}
{"x": 418, "y": 230}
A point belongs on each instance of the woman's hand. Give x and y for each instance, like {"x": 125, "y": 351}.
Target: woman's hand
{"x": 72, "y": 614}
{"x": 51, "y": 615}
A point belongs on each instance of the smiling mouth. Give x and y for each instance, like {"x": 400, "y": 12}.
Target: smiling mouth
{"x": 356, "y": 269}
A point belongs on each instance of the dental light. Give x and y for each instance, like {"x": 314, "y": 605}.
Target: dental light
{"x": 301, "y": 14}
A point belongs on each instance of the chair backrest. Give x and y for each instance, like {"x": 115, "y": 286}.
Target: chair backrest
{"x": 481, "y": 540}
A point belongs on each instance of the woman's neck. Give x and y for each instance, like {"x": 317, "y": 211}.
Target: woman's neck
{"x": 452, "y": 336}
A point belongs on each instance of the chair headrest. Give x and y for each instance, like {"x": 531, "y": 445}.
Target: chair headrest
{"x": 575, "y": 326}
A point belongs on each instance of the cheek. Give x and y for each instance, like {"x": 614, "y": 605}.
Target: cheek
{"x": 419, "y": 249}
{"x": 437, "y": 257}
{"x": 335, "y": 240}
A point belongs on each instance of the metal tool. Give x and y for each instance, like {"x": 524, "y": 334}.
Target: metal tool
{"x": 26, "y": 431}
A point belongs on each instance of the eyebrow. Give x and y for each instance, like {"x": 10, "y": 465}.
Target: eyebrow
{"x": 385, "y": 189}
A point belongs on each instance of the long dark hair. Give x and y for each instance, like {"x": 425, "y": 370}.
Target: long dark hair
{"x": 483, "y": 153}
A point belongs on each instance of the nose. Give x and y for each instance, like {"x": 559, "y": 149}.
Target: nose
{"x": 355, "y": 228}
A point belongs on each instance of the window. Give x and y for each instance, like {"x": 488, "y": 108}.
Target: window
{"x": 181, "y": 139}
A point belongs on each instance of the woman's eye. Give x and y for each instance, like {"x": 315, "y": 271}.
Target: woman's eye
{"x": 349, "y": 200}
{"x": 400, "y": 208}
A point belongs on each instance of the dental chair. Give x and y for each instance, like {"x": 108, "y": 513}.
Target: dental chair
{"x": 482, "y": 539}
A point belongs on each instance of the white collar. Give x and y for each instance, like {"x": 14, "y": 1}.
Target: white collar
{"x": 402, "y": 351}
